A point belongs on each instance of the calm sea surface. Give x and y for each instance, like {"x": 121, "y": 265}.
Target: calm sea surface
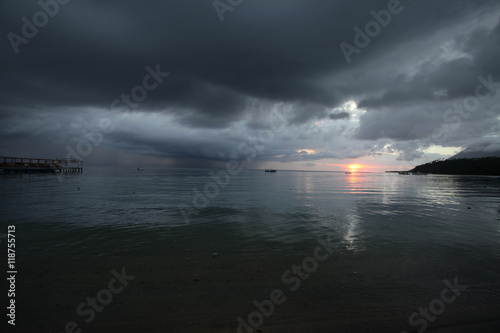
{"x": 394, "y": 240}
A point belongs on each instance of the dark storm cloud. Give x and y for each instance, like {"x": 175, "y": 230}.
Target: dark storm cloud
{"x": 90, "y": 52}
{"x": 403, "y": 124}
{"x": 484, "y": 46}
{"x": 411, "y": 107}
{"x": 447, "y": 80}
{"x": 264, "y": 53}
{"x": 340, "y": 115}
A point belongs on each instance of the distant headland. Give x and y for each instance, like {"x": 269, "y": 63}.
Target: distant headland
{"x": 485, "y": 166}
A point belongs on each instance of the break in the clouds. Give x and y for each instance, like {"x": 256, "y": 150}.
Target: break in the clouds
{"x": 169, "y": 82}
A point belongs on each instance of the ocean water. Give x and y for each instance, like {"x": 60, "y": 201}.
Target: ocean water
{"x": 393, "y": 241}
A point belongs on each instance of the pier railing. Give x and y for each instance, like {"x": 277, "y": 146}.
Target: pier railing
{"x": 39, "y": 165}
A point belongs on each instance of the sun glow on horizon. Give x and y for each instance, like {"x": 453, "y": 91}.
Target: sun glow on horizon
{"x": 354, "y": 167}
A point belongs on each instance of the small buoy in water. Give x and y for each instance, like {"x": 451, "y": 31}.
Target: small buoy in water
{"x": 78, "y": 188}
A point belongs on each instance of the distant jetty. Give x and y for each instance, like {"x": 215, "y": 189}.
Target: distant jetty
{"x": 16, "y": 165}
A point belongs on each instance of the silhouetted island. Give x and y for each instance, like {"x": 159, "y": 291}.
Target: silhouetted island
{"x": 486, "y": 166}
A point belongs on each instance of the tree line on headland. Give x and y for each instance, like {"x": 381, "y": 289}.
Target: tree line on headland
{"x": 487, "y": 166}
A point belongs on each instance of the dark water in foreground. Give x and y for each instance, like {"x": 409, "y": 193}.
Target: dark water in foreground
{"x": 393, "y": 241}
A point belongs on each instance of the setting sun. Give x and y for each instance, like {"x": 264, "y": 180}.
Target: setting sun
{"x": 354, "y": 167}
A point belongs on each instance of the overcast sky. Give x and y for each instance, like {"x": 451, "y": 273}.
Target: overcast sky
{"x": 198, "y": 83}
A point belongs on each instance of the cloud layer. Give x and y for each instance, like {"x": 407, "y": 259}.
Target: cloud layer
{"x": 397, "y": 97}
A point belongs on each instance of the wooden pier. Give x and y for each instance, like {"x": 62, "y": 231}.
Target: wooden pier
{"x": 15, "y": 165}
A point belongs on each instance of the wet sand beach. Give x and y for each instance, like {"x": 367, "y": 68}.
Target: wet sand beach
{"x": 201, "y": 293}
